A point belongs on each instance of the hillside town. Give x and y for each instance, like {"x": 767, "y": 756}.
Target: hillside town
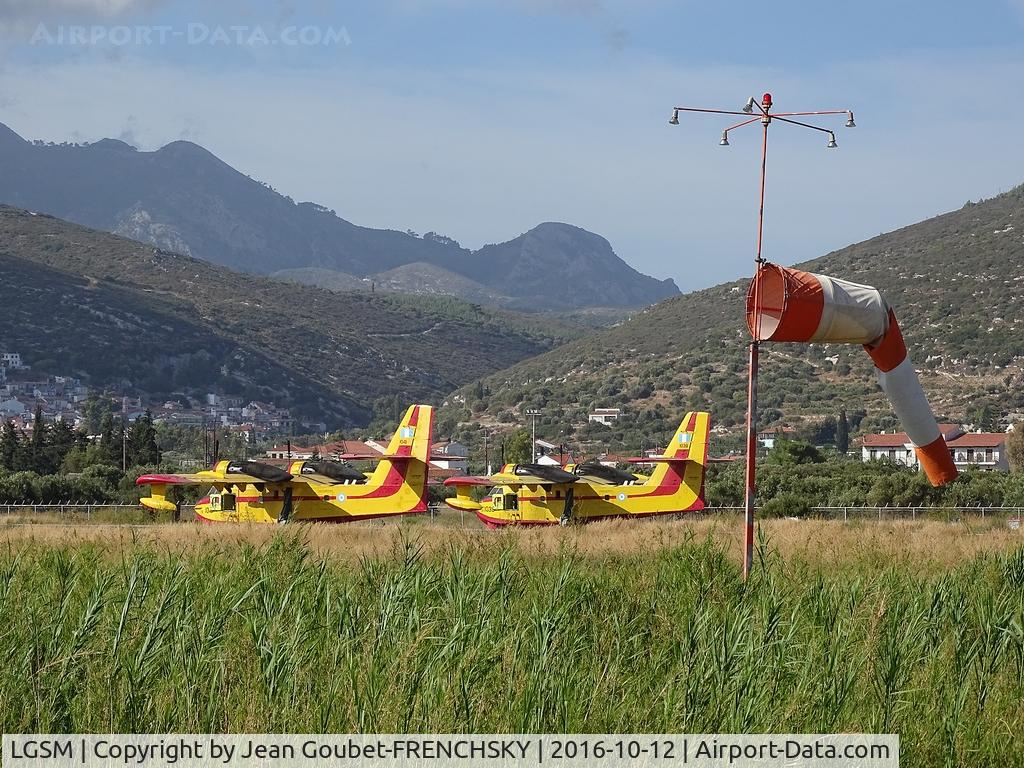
{"x": 65, "y": 398}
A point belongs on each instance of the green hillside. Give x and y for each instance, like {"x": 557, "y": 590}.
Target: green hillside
{"x": 956, "y": 282}
{"x": 121, "y": 314}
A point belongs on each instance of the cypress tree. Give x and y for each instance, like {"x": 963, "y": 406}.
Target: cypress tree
{"x": 142, "y": 440}
{"x": 10, "y": 446}
{"x": 110, "y": 451}
{"x": 842, "y": 433}
{"x": 39, "y": 461}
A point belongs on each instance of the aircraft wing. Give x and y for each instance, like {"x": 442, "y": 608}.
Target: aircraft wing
{"x": 224, "y": 473}
{"x": 599, "y": 474}
{"x": 516, "y": 479}
{"x": 468, "y": 480}
{"x": 515, "y": 475}
{"x": 199, "y": 478}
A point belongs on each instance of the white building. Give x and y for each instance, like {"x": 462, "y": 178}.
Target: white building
{"x": 605, "y": 416}
{"x": 981, "y": 450}
{"x": 11, "y": 360}
{"x": 450, "y": 454}
{"x": 769, "y": 437}
{"x": 548, "y": 453}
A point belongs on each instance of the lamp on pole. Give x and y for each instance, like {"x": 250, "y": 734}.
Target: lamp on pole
{"x": 533, "y": 413}
{"x": 761, "y": 112}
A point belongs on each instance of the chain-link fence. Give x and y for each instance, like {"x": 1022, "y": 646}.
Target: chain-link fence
{"x": 105, "y": 512}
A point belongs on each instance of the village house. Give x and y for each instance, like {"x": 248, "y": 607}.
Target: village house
{"x": 979, "y": 450}
{"x": 11, "y": 360}
{"x": 548, "y": 453}
{"x": 605, "y": 416}
{"x": 769, "y": 437}
{"x": 450, "y": 454}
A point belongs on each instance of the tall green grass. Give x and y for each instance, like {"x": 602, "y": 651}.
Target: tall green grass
{"x": 276, "y": 639}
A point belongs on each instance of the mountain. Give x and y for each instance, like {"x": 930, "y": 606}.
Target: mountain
{"x": 183, "y": 199}
{"x": 955, "y": 281}
{"x": 130, "y": 316}
{"x": 569, "y": 267}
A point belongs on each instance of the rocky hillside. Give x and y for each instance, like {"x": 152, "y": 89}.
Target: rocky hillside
{"x": 956, "y": 282}
{"x": 121, "y": 314}
{"x": 183, "y": 199}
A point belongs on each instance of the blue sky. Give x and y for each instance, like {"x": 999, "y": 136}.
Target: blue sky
{"x": 481, "y": 119}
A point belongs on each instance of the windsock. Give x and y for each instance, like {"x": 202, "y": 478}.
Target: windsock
{"x": 804, "y": 307}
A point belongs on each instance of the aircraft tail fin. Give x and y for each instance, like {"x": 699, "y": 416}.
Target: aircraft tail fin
{"x": 414, "y": 436}
{"x": 407, "y": 459}
{"x": 690, "y": 442}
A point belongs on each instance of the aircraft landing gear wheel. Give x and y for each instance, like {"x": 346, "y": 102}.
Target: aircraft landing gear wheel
{"x": 564, "y": 521}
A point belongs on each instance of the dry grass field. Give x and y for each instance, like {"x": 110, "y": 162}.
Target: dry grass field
{"x": 915, "y": 628}
{"x": 923, "y": 546}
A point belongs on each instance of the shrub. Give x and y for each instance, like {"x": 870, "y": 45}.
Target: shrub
{"x": 786, "y": 505}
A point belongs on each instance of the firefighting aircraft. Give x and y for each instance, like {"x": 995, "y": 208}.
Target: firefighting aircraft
{"x": 313, "y": 491}
{"x": 536, "y": 494}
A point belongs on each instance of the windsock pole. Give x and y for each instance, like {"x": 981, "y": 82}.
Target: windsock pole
{"x": 753, "y": 111}
{"x": 750, "y": 497}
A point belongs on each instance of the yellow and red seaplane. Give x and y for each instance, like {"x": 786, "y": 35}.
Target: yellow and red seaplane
{"x": 537, "y": 494}
{"x": 313, "y": 491}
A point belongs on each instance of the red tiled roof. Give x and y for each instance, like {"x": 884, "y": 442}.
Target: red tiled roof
{"x": 978, "y": 440}
{"x": 897, "y": 440}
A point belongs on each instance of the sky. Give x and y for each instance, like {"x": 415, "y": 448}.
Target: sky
{"x": 479, "y": 119}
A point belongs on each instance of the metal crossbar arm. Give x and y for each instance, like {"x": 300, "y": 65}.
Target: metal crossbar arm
{"x": 825, "y": 112}
{"x": 805, "y": 125}
{"x": 740, "y": 125}
{"x": 711, "y": 111}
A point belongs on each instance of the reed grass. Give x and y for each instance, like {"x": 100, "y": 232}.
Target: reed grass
{"x": 514, "y": 633}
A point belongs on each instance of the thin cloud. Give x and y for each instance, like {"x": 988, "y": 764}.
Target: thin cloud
{"x": 36, "y": 9}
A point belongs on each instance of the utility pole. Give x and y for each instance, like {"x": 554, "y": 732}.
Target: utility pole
{"x": 766, "y": 117}
{"x": 533, "y": 413}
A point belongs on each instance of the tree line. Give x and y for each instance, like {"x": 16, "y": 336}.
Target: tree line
{"x": 56, "y": 462}
{"x": 795, "y": 477}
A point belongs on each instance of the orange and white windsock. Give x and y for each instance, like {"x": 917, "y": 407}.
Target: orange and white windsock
{"x": 805, "y": 307}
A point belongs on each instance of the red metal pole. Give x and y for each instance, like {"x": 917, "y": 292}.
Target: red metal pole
{"x": 751, "y": 474}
